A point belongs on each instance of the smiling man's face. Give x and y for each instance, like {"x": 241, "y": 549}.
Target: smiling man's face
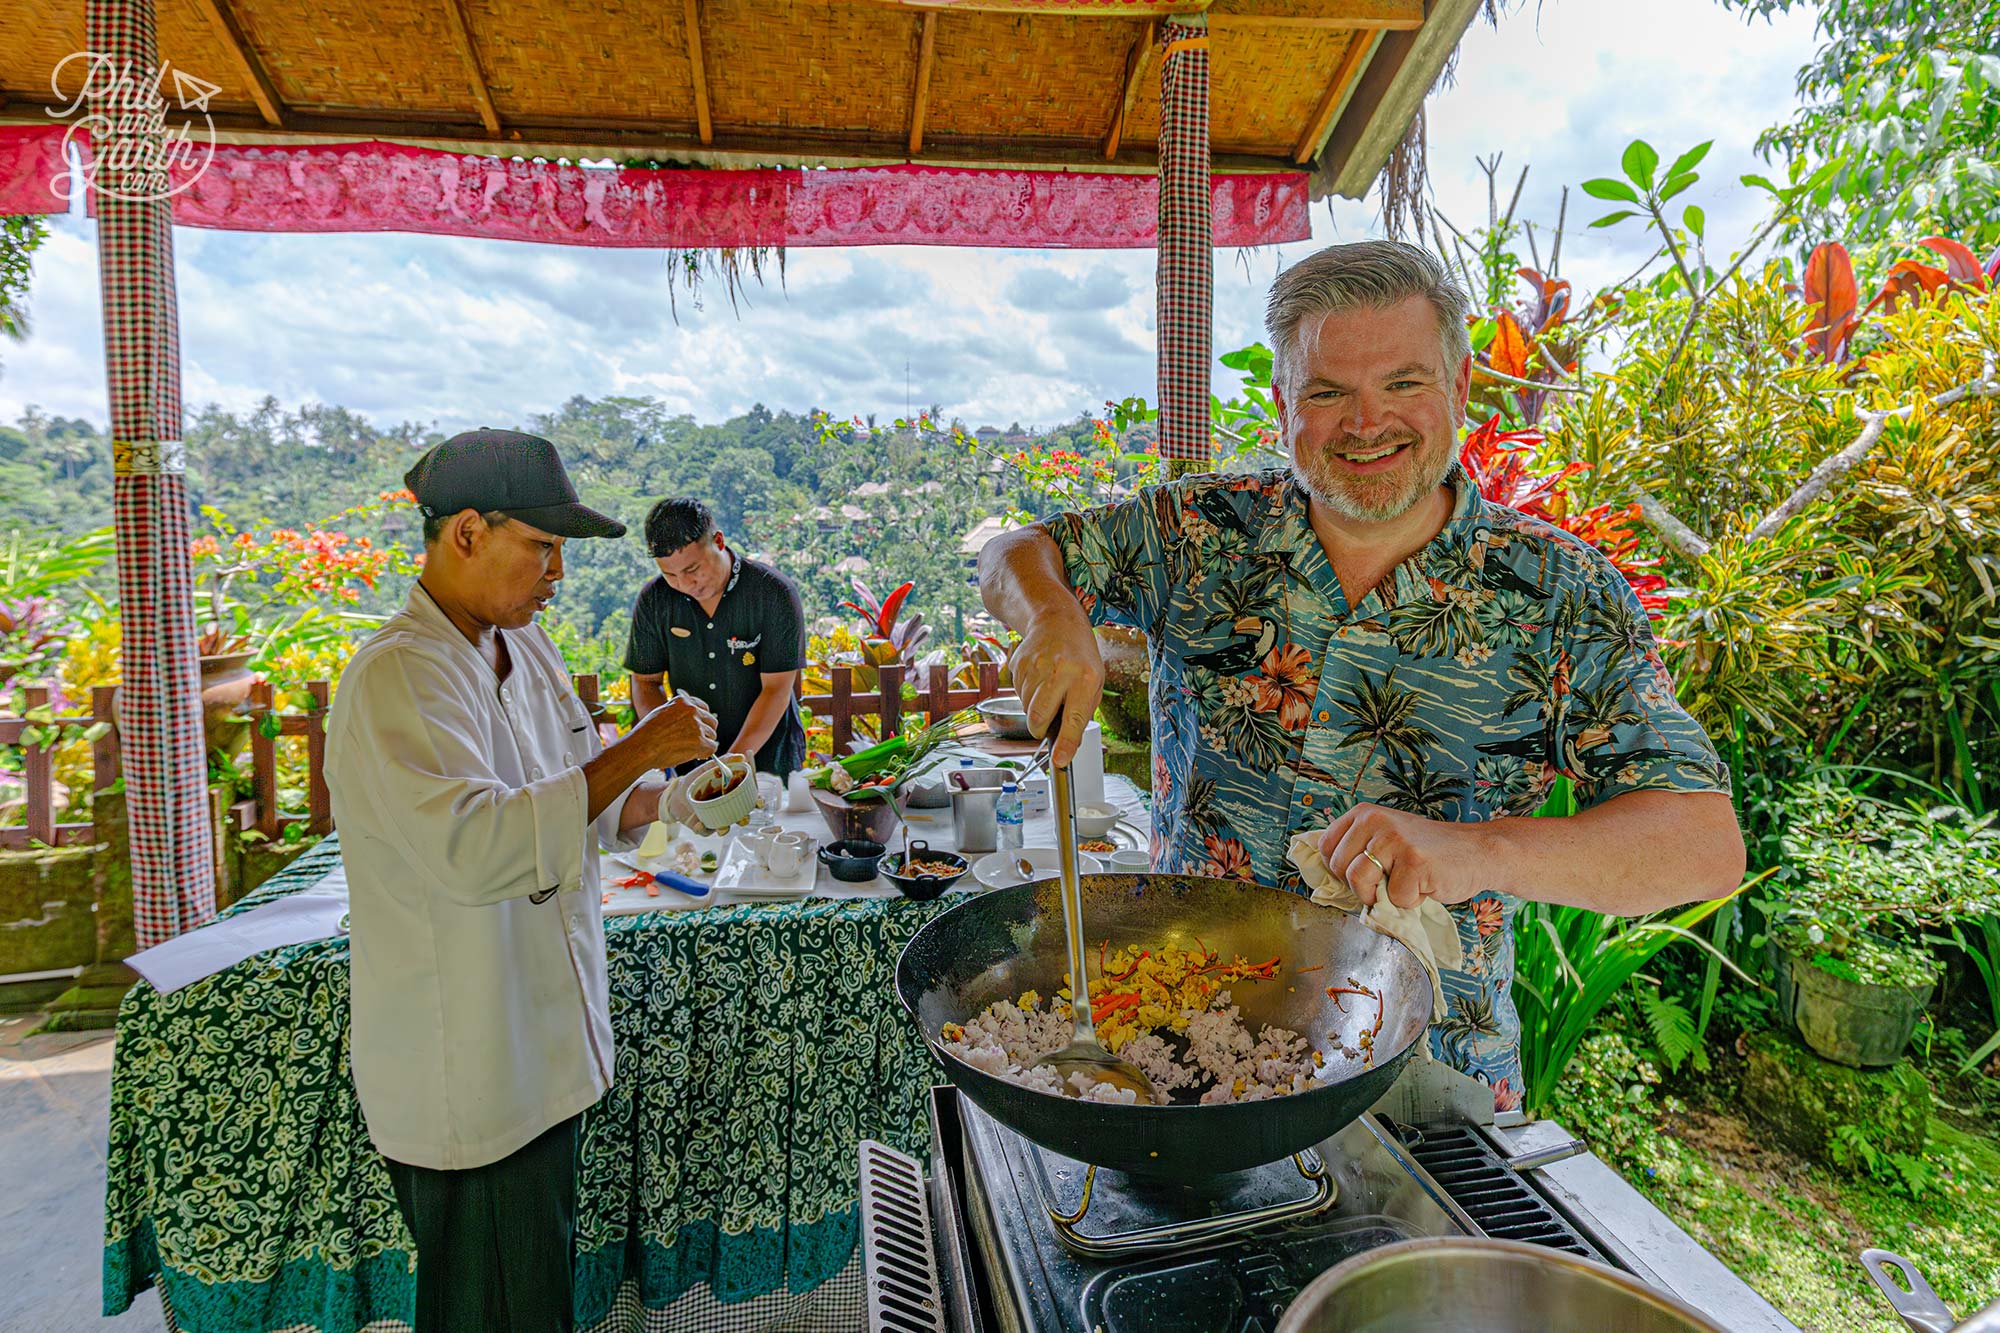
{"x": 1372, "y": 412}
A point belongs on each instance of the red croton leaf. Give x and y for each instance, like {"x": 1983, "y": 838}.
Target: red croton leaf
{"x": 891, "y": 606}
{"x": 1508, "y": 352}
{"x": 1551, "y": 299}
{"x": 1909, "y": 280}
{"x": 1831, "y": 293}
{"x": 1959, "y": 261}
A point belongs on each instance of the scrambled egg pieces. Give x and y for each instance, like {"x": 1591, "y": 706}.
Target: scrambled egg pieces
{"x": 1148, "y": 990}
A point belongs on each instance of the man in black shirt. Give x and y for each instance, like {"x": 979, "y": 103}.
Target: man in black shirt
{"x": 727, "y": 630}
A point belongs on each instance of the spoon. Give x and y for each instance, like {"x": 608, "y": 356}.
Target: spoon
{"x": 1085, "y": 1053}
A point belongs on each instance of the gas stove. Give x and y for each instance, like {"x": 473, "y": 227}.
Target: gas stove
{"x": 1008, "y": 1237}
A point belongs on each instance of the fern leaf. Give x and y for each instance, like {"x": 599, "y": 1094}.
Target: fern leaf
{"x": 1671, "y": 1024}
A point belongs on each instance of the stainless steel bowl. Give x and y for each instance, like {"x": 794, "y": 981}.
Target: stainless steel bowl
{"x": 1477, "y": 1285}
{"x": 1005, "y": 717}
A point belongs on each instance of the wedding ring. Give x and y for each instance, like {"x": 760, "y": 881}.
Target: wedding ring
{"x": 1377, "y": 864}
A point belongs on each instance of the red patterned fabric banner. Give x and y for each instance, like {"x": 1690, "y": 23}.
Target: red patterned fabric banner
{"x": 390, "y": 187}
{"x": 32, "y": 169}
{"x": 159, "y": 710}
{"x": 1186, "y": 284}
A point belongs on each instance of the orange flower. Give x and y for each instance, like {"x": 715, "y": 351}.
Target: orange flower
{"x": 1505, "y": 1098}
{"x": 1488, "y": 914}
{"x": 1227, "y": 859}
{"x": 1287, "y": 685}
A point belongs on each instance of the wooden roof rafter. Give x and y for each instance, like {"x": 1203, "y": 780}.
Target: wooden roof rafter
{"x": 704, "y": 119}
{"x": 229, "y": 33}
{"x": 1136, "y": 62}
{"x": 920, "y": 96}
{"x": 468, "y": 53}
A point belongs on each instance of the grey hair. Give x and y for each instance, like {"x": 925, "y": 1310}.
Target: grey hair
{"x": 1371, "y": 273}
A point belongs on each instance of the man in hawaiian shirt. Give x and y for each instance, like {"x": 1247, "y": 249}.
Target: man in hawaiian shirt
{"x": 1361, "y": 641}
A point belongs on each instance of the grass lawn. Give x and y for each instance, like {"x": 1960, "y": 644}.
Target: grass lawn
{"x": 1792, "y": 1227}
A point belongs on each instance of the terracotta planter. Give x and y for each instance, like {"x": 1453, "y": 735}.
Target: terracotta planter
{"x": 225, "y": 691}
{"x": 1126, "y": 710}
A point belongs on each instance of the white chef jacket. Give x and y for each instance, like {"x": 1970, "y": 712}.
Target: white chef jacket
{"x": 480, "y": 1015}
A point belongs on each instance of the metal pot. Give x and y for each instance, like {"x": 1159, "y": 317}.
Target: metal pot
{"x": 1912, "y": 1298}
{"x": 1480, "y": 1285}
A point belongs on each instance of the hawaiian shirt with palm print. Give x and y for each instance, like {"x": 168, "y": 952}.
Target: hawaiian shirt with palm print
{"x": 1504, "y": 654}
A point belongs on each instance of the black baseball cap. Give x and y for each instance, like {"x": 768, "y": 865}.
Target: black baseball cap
{"x": 519, "y": 475}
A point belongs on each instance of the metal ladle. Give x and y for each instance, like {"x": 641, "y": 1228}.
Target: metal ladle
{"x": 1085, "y": 1053}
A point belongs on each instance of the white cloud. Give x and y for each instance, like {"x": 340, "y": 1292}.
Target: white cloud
{"x": 465, "y": 333}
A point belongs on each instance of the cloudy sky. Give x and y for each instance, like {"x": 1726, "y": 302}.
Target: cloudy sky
{"x": 462, "y": 333}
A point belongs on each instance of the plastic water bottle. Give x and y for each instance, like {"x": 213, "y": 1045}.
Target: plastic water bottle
{"x": 1009, "y": 815}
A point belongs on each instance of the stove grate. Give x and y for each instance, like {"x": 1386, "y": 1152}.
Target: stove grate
{"x": 904, "y": 1294}
{"x": 1506, "y": 1207}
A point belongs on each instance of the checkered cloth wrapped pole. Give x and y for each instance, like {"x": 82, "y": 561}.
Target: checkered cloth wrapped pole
{"x": 160, "y": 717}
{"x": 1186, "y": 282}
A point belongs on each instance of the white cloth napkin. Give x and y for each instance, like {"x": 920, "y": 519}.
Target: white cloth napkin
{"x": 1427, "y": 928}
{"x": 313, "y": 914}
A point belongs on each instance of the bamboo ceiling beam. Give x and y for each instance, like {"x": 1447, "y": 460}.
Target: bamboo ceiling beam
{"x": 461, "y": 33}
{"x": 1136, "y": 61}
{"x": 1352, "y": 61}
{"x": 251, "y": 70}
{"x": 1393, "y": 14}
{"x": 920, "y": 98}
{"x": 1380, "y": 15}
{"x": 704, "y": 122}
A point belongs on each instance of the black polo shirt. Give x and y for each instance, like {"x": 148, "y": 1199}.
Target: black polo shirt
{"x": 758, "y": 626}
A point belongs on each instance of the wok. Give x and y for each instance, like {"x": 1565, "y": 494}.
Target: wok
{"x": 999, "y": 944}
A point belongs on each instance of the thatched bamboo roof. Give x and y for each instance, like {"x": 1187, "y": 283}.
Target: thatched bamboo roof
{"x": 1328, "y": 84}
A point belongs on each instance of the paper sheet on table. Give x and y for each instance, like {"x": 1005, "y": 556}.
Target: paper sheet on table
{"x": 186, "y": 959}
{"x": 1427, "y": 928}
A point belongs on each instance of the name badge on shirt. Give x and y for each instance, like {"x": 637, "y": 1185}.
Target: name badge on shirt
{"x": 678, "y": 632}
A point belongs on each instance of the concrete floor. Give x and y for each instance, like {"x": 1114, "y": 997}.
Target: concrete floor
{"x": 54, "y": 1094}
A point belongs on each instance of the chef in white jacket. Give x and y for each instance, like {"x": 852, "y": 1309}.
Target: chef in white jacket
{"x": 472, "y": 794}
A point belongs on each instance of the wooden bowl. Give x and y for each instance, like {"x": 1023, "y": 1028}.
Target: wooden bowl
{"x": 873, "y": 820}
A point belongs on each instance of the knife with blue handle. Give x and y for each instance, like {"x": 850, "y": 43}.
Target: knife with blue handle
{"x": 693, "y": 888}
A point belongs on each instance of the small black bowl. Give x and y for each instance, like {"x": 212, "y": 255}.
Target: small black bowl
{"x": 852, "y": 860}
{"x": 923, "y": 888}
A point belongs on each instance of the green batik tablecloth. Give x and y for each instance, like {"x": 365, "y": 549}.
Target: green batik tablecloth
{"x": 756, "y": 1046}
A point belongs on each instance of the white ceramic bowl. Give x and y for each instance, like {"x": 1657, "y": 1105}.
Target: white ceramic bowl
{"x": 734, "y": 805}
{"x": 1089, "y": 825}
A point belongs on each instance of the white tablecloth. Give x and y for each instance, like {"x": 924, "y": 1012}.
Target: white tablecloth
{"x": 931, "y": 826}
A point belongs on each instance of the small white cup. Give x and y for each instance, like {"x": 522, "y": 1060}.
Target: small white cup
{"x": 757, "y": 842}
{"x": 1128, "y": 861}
{"x": 787, "y": 853}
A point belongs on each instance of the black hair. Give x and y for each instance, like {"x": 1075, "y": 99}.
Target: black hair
{"x": 434, "y": 527}
{"x": 674, "y": 524}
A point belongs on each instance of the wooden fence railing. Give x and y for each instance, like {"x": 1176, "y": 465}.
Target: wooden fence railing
{"x": 935, "y": 697}
{"x": 38, "y": 767}
{"x": 262, "y": 809}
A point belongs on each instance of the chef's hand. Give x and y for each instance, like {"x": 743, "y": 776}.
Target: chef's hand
{"x": 674, "y": 733}
{"x": 1413, "y": 857}
{"x": 1058, "y": 670}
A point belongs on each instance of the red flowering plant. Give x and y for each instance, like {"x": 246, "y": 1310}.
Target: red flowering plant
{"x": 1502, "y": 464}
{"x": 279, "y": 593}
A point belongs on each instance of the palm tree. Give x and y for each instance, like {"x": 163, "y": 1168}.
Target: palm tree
{"x": 1384, "y": 718}
{"x": 1543, "y": 681}
{"x": 1421, "y": 791}
{"x": 1470, "y": 1016}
